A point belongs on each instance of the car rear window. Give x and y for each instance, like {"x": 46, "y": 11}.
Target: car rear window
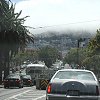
{"x": 79, "y": 75}
{"x": 13, "y": 76}
{"x": 26, "y": 76}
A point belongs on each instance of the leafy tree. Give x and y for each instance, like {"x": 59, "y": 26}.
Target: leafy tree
{"x": 93, "y": 51}
{"x": 13, "y": 35}
{"x": 30, "y": 55}
{"x": 71, "y": 56}
{"x": 76, "y": 56}
{"x": 49, "y": 55}
{"x": 92, "y": 63}
{"x": 94, "y": 44}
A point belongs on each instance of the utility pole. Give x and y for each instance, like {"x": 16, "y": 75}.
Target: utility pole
{"x": 78, "y": 43}
{"x": 78, "y": 46}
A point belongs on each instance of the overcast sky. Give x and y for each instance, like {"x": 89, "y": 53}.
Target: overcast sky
{"x": 67, "y": 13}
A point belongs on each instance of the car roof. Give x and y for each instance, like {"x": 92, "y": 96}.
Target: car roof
{"x": 75, "y": 70}
{"x": 36, "y": 65}
{"x": 13, "y": 75}
{"x": 26, "y": 75}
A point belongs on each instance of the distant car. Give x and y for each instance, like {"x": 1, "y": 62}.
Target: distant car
{"x": 13, "y": 80}
{"x": 73, "y": 84}
{"x": 27, "y": 80}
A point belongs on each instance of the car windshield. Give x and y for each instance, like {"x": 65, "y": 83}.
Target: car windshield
{"x": 80, "y": 75}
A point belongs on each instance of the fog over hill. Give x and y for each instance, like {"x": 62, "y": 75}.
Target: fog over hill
{"x": 75, "y": 29}
{"x": 73, "y": 33}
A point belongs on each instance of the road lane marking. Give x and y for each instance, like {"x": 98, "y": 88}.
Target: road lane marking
{"x": 14, "y": 96}
{"x": 39, "y": 97}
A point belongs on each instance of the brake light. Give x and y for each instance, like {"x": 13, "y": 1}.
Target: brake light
{"x": 97, "y": 90}
{"x": 5, "y": 80}
{"x": 49, "y": 88}
{"x": 18, "y": 80}
{"x": 29, "y": 80}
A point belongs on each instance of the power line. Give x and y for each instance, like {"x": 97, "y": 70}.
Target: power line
{"x": 88, "y": 21}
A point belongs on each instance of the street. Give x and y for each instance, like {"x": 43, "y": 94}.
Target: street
{"x": 26, "y": 93}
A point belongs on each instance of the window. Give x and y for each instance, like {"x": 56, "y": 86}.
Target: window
{"x": 79, "y": 75}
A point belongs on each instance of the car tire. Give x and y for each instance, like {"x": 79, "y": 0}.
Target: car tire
{"x": 20, "y": 86}
{"x": 5, "y": 87}
{"x": 30, "y": 84}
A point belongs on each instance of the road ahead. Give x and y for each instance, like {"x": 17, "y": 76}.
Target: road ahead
{"x": 26, "y": 93}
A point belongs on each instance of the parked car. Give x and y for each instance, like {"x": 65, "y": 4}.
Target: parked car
{"x": 73, "y": 84}
{"x": 27, "y": 80}
{"x": 13, "y": 80}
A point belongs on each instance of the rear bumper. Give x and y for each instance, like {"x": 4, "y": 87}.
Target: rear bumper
{"x": 64, "y": 97}
{"x": 27, "y": 83}
{"x": 12, "y": 84}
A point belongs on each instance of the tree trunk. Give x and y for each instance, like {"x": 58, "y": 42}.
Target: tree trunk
{"x": 6, "y": 64}
{"x": 0, "y": 73}
{"x": 1, "y": 64}
{"x": 6, "y": 69}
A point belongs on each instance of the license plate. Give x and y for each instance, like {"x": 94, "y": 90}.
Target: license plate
{"x": 72, "y": 92}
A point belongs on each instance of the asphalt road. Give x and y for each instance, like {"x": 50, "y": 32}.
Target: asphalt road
{"x": 26, "y": 93}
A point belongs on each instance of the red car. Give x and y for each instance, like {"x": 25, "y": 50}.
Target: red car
{"x": 13, "y": 80}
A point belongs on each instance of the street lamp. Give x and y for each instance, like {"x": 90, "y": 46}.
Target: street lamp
{"x": 78, "y": 52}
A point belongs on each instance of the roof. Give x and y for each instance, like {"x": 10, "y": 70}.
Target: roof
{"x": 75, "y": 70}
{"x": 36, "y": 65}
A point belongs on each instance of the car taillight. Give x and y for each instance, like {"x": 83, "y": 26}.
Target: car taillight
{"x": 49, "y": 88}
{"x": 97, "y": 90}
{"x": 5, "y": 80}
{"x": 17, "y": 80}
{"x": 29, "y": 80}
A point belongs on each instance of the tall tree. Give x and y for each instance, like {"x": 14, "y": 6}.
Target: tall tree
{"x": 13, "y": 34}
{"x": 72, "y": 55}
{"x": 48, "y": 55}
{"x": 94, "y": 44}
{"x": 92, "y": 61}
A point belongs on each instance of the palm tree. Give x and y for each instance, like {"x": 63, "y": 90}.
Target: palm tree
{"x": 13, "y": 34}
